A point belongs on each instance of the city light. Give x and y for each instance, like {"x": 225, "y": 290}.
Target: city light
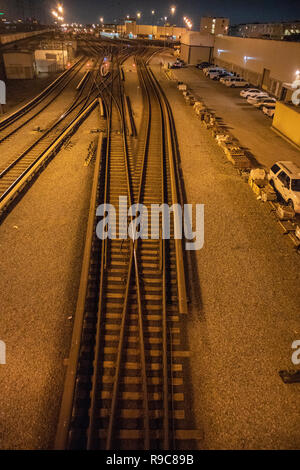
{"x": 101, "y": 19}
{"x": 188, "y": 22}
{"x": 58, "y": 13}
{"x": 173, "y": 9}
{"x": 138, "y": 15}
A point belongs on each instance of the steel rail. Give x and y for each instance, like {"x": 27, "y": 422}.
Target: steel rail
{"x": 147, "y": 85}
{"x": 4, "y": 123}
{"x": 83, "y": 103}
{"x": 27, "y": 117}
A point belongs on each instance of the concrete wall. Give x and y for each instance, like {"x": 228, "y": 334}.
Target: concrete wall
{"x": 262, "y": 62}
{"x": 287, "y": 121}
{"x": 19, "y": 65}
{"x": 8, "y": 38}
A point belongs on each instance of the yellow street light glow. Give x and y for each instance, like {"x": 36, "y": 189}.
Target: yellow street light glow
{"x": 138, "y": 14}
{"x": 173, "y": 9}
{"x": 54, "y": 13}
{"x": 60, "y": 8}
{"x": 153, "y": 12}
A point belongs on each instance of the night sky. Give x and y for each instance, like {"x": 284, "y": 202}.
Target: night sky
{"x": 239, "y": 11}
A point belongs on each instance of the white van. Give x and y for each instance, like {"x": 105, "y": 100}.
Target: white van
{"x": 236, "y": 82}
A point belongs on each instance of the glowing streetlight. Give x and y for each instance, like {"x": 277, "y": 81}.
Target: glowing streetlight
{"x": 54, "y": 13}
{"x": 138, "y": 15}
{"x": 101, "y": 19}
{"x": 60, "y": 8}
{"x": 173, "y": 9}
{"x": 153, "y": 12}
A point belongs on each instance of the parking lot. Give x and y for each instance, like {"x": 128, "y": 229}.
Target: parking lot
{"x": 247, "y": 123}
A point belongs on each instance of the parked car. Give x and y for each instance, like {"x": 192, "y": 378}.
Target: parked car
{"x": 213, "y": 74}
{"x": 269, "y": 109}
{"x": 234, "y": 82}
{"x": 249, "y": 91}
{"x": 223, "y": 75}
{"x": 203, "y": 65}
{"x": 253, "y": 99}
{"x": 285, "y": 177}
{"x": 211, "y": 70}
{"x": 176, "y": 65}
{"x": 223, "y": 80}
{"x": 262, "y": 101}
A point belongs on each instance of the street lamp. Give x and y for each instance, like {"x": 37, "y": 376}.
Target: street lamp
{"x": 138, "y": 17}
{"x": 152, "y": 13}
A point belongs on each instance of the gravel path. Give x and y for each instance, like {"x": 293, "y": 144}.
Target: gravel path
{"x": 41, "y": 248}
{"x": 244, "y": 311}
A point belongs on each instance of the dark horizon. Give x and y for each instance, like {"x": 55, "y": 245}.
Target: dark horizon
{"x": 236, "y": 11}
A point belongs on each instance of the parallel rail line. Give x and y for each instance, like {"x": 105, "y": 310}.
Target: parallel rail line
{"x": 124, "y": 385}
{"x": 13, "y": 178}
{"x": 28, "y": 112}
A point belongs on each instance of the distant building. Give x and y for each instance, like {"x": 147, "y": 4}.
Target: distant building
{"x": 214, "y": 25}
{"x": 131, "y": 29}
{"x": 266, "y": 30}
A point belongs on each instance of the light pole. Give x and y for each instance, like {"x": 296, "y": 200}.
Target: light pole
{"x": 165, "y": 31}
{"x": 152, "y": 13}
{"x": 138, "y": 17}
{"x": 58, "y": 15}
{"x": 173, "y": 9}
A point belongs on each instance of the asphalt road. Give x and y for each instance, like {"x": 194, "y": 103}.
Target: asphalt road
{"x": 247, "y": 123}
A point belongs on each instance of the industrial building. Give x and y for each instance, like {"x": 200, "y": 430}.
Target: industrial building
{"x": 130, "y": 28}
{"x": 53, "y": 56}
{"x": 196, "y": 47}
{"x": 277, "y": 30}
{"x": 214, "y": 25}
{"x": 256, "y": 61}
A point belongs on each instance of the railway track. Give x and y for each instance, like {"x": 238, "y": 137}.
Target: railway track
{"x": 17, "y": 175}
{"x": 124, "y": 386}
{"x": 27, "y": 113}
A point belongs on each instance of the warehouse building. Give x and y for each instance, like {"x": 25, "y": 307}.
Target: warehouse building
{"x": 196, "y": 47}
{"x": 272, "y": 65}
{"x": 266, "y": 30}
{"x": 266, "y": 63}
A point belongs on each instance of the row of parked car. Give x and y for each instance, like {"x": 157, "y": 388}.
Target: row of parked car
{"x": 230, "y": 79}
{"x": 254, "y": 96}
{"x": 260, "y": 99}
